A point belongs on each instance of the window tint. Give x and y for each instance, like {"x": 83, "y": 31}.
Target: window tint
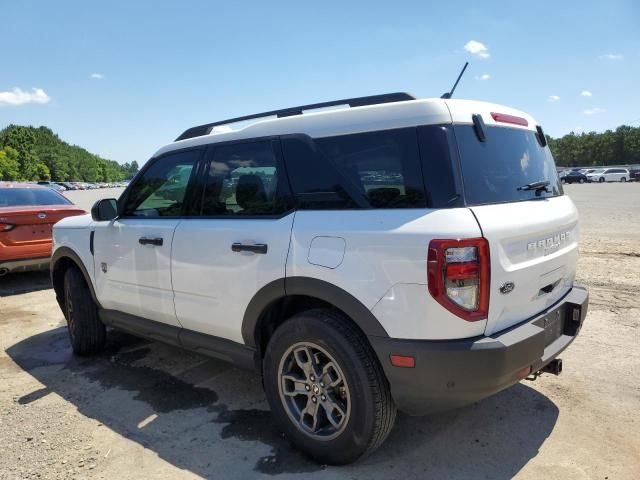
{"x": 161, "y": 190}
{"x": 366, "y": 170}
{"x": 495, "y": 171}
{"x": 243, "y": 179}
{"x": 22, "y": 197}
{"x": 436, "y": 144}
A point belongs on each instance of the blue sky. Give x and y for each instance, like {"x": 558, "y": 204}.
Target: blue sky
{"x": 161, "y": 67}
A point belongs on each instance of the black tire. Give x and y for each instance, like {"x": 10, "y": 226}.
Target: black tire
{"x": 372, "y": 411}
{"x": 623, "y": 179}
{"x": 601, "y": 180}
{"x": 86, "y": 332}
{"x": 582, "y": 180}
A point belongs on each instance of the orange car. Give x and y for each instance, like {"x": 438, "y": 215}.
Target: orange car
{"x": 27, "y": 213}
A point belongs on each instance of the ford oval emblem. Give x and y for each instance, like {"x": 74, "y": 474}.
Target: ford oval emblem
{"x": 42, "y": 215}
{"x": 507, "y": 287}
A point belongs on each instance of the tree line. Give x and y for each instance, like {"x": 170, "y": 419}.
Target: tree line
{"x": 31, "y": 154}
{"x": 612, "y": 147}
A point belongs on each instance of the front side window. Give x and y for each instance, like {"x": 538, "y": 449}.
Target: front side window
{"x": 243, "y": 179}
{"x": 161, "y": 190}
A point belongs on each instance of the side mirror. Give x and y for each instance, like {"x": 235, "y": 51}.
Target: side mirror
{"x": 104, "y": 210}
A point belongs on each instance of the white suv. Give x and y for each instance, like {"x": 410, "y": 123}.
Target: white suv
{"x": 403, "y": 254}
{"x": 608, "y": 175}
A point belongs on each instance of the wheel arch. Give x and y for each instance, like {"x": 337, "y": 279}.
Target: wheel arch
{"x": 62, "y": 259}
{"x": 282, "y": 298}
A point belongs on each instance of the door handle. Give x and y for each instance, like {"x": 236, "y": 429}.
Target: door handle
{"x": 254, "y": 248}
{"x": 155, "y": 241}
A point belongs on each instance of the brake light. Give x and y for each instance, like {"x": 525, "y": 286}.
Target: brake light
{"x": 5, "y": 227}
{"x": 458, "y": 276}
{"x": 505, "y": 118}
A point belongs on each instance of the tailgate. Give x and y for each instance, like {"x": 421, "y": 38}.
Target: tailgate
{"x": 534, "y": 245}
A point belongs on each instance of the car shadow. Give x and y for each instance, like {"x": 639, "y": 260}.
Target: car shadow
{"x": 207, "y": 417}
{"x": 25, "y": 282}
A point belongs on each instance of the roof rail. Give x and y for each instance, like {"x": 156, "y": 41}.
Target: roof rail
{"x": 205, "y": 129}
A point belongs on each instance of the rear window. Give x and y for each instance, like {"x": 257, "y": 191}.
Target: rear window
{"x": 22, "y": 197}
{"x": 498, "y": 169}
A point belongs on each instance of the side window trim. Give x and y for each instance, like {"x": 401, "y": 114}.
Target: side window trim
{"x": 283, "y": 189}
{"x": 122, "y": 201}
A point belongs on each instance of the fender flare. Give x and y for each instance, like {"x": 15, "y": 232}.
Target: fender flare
{"x": 311, "y": 287}
{"x": 66, "y": 252}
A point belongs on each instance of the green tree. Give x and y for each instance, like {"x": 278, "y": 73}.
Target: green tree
{"x": 9, "y": 165}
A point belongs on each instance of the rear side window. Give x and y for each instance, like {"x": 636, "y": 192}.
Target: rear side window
{"x": 365, "y": 170}
{"x": 244, "y": 179}
{"x": 498, "y": 169}
{"x": 24, "y": 197}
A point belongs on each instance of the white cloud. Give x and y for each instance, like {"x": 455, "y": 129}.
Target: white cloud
{"x": 477, "y": 48}
{"x": 593, "y": 111}
{"x": 553, "y": 98}
{"x": 17, "y": 96}
{"x": 486, "y": 76}
{"x": 586, "y": 93}
{"x": 97, "y": 76}
{"x": 612, "y": 56}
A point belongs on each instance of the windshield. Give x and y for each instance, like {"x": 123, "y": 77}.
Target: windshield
{"x": 22, "y": 197}
{"x": 498, "y": 169}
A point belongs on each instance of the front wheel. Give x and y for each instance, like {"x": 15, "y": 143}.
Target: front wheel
{"x": 601, "y": 180}
{"x": 86, "y": 332}
{"x": 326, "y": 388}
{"x": 581, "y": 180}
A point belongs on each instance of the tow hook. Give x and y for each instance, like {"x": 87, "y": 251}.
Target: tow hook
{"x": 554, "y": 367}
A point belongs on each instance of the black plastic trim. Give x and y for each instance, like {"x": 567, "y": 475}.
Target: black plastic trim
{"x": 205, "y": 129}
{"x": 221, "y": 348}
{"x": 66, "y": 252}
{"x": 310, "y": 287}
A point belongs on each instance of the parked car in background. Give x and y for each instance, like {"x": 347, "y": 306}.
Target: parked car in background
{"x": 53, "y": 185}
{"x": 27, "y": 215}
{"x": 574, "y": 177}
{"x": 609, "y": 175}
{"x": 634, "y": 175}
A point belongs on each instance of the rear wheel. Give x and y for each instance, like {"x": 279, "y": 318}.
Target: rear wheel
{"x": 86, "y": 332}
{"x": 326, "y": 388}
{"x": 623, "y": 179}
{"x": 581, "y": 180}
{"x": 601, "y": 180}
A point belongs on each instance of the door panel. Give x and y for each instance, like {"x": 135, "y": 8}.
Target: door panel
{"x": 133, "y": 253}
{"x": 238, "y": 244}
{"x": 214, "y": 284}
{"x": 137, "y": 279}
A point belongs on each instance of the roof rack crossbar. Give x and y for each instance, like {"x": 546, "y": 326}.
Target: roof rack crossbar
{"x": 205, "y": 129}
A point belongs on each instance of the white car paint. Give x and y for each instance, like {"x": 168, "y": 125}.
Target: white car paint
{"x": 609, "y": 175}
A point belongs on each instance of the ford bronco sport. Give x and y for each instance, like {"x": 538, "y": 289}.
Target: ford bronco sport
{"x": 398, "y": 253}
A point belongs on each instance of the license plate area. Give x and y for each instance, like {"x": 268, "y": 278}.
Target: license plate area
{"x": 553, "y": 323}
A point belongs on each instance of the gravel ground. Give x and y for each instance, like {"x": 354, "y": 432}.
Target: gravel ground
{"x": 146, "y": 410}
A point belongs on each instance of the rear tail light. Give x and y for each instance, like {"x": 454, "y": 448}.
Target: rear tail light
{"x": 458, "y": 276}
{"x": 5, "y": 227}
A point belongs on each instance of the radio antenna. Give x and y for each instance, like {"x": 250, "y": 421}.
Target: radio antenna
{"x": 449, "y": 94}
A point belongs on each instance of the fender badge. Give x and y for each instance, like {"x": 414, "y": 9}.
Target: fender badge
{"x": 507, "y": 287}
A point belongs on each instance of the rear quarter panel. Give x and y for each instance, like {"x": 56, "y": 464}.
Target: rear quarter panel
{"x": 384, "y": 264}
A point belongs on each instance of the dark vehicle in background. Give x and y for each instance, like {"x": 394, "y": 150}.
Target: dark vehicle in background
{"x": 27, "y": 215}
{"x": 574, "y": 176}
{"x": 634, "y": 175}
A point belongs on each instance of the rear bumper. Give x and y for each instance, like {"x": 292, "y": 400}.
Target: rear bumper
{"x": 24, "y": 264}
{"x": 451, "y": 374}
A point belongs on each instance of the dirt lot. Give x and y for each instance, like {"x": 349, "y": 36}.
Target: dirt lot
{"x": 145, "y": 410}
